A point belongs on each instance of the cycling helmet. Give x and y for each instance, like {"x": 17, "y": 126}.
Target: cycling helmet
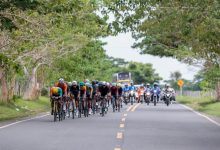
{"x": 167, "y": 85}
{"x": 148, "y": 84}
{"x": 69, "y": 83}
{"x": 94, "y": 82}
{"x": 113, "y": 84}
{"x": 81, "y": 84}
{"x": 119, "y": 84}
{"x": 104, "y": 83}
{"x": 87, "y": 81}
{"x": 74, "y": 83}
{"x": 107, "y": 84}
{"x": 61, "y": 80}
{"x": 101, "y": 83}
{"x": 87, "y": 84}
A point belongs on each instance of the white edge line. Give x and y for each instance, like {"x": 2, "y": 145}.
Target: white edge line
{"x": 17, "y": 122}
{"x": 199, "y": 114}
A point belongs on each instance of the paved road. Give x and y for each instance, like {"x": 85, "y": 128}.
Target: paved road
{"x": 137, "y": 127}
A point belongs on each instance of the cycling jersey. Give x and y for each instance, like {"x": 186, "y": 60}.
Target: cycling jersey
{"x": 120, "y": 90}
{"x": 132, "y": 88}
{"x": 63, "y": 86}
{"x": 103, "y": 90}
{"x": 89, "y": 89}
{"x": 74, "y": 90}
{"x": 114, "y": 90}
{"x": 126, "y": 89}
{"x": 56, "y": 91}
{"x": 82, "y": 90}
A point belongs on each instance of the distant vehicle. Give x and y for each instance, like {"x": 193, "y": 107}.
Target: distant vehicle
{"x": 122, "y": 77}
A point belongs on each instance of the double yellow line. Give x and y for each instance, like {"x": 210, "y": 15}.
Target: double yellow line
{"x": 132, "y": 108}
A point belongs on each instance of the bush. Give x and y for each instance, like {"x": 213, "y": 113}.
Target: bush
{"x": 44, "y": 91}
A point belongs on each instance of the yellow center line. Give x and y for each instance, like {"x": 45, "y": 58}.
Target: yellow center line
{"x": 129, "y": 108}
{"x": 119, "y": 135}
{"x": 122, "y": 125}
{"x": 133, "y": 109}
{"x": 123, "y": 119}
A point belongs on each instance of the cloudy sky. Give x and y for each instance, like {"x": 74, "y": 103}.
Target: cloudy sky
{"x": 120, "y": 47}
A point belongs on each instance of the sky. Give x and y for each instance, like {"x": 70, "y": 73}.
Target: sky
{"x": 120, "y": 47}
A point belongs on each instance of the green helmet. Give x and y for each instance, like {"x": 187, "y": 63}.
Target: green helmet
{"x": 81, "y": 84}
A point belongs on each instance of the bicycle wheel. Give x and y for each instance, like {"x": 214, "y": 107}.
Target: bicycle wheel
{"x": 73, "y": 110}
{"x": 80, "y": 109}
{"x": 55, "y": 111}
{"x": 113, "y": 104}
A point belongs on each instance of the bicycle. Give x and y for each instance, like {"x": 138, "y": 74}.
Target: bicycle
{"x": 57, "y": 108}
{"x": 86, "y": 107}
{"x": 80, "y": 106}
{"x": 114, "y": 103}
{"x": 71, "y": 106}
{"x": 119, "y": 103}
{"x": 103, "y": 106}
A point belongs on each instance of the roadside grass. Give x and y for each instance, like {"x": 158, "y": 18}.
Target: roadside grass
{"x": 20, "y": 108}
{"x": 202, "y": 104}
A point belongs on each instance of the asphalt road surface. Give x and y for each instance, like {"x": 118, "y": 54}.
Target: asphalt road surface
{"x": 137, "y": 127}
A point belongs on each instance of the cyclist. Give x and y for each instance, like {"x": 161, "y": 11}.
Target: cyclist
{"x": 63, "y": 86}
{"x": 120, "y": 92}
{"x": 55, "y": 92}
{"x": 82, "y": 93}
{"x": 74, "y": 93}
{"x": 132, "y": 87}
{"x": 132, "y": 90}
{"x": 104, "y": 90}
{"x": 126, "y": 88}
{"x": 89, "y": 92}
{"x": 114, "y": 94}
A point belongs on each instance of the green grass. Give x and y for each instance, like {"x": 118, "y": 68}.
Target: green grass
{"x": 21, "y": 108}
{"x": 205, "y": 104}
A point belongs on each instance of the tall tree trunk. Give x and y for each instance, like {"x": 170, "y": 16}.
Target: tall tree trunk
{"x": 218, "y": 90}
{"x": 4, "y": 88}
{"x": 11, "y": 90}
{"x": 31, "y": 91}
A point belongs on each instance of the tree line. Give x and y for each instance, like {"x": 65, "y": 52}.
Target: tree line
{"x": 41, "y": 40}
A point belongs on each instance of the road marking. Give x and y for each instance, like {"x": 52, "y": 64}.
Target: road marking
{"x": 199, "y": 114}
{"x": 17, "y": 122}
{"x": 125, "y": 115}
{"x": 119, "y": 135}
{"x": 123, "y": 119}
{"x": 122, "y": 125}
{"x": 117, "y": 149}
{"x": 129, "y": 108}
{"x": 133, "y": 109}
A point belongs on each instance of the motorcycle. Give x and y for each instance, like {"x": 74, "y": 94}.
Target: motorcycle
{"x": 142, "y": 96}
{"x": 132, "y": 97}
{"x": 126, "y": 98}
{"x": 147, "y": 97}
{"x": 155, "y": 97}
{"x": 168, "y": 96}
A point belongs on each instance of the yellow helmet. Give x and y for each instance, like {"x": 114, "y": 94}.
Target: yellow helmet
{"x": 119, "y": 84}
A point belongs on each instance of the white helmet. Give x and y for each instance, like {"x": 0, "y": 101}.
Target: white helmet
{"x": 74, "y": 83}
{"x": 61, "y": 80}
{"x": 87, "y": 84}
{"x": 69, "y": 83}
